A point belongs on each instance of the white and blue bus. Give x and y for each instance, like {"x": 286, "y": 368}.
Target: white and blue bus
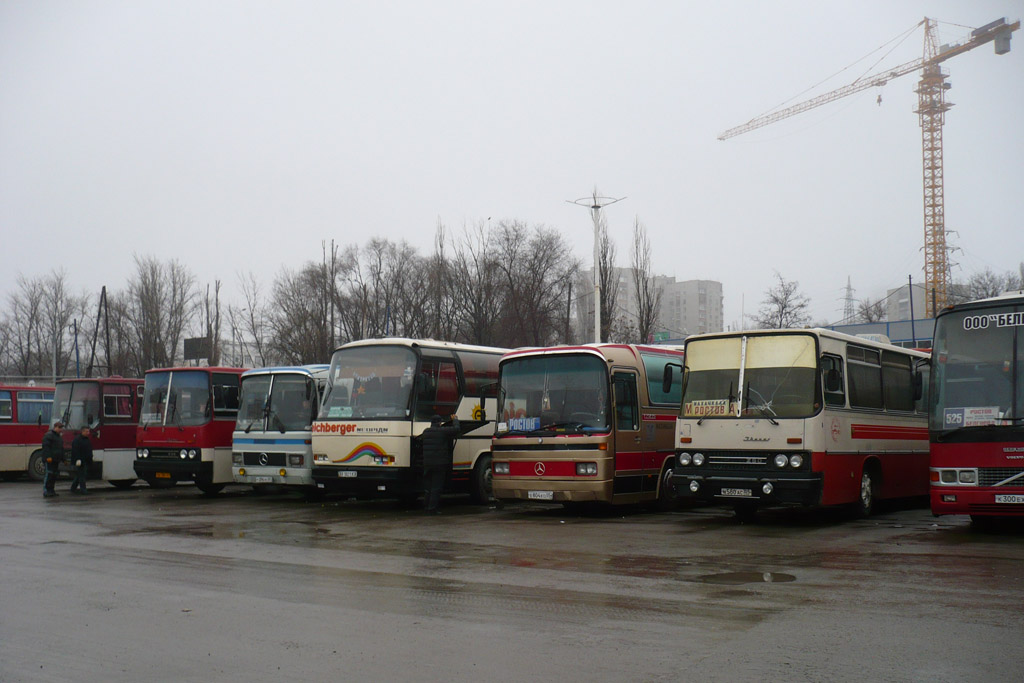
{"x": 272, "y": 441}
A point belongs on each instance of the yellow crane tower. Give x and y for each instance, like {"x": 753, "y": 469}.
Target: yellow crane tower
{"x": 931, "y": 109}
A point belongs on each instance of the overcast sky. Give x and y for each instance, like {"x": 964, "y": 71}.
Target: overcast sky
{"x": 236, "y": 136}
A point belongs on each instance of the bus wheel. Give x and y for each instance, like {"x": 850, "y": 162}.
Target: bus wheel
{"x": 745, "y": 512}
{"x": 481, "y": 489}
{"x": 866, "y": 500}
{"x": 36, "y": 467}
{"x": 666, "y": 491}
{"x": 210, "y": 489}
{"x": 122, "y": 483}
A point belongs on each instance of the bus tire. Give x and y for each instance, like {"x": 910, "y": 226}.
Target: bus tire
{"x": 122, "y": 483}
{"x": 666, "y": 501}
{"x": 865, "y": 503}
{"x": 210, "y": 489}
{"x": 481, "y": 486}
{"x": 746, "y": 512}
{"x": 36, "y": 466}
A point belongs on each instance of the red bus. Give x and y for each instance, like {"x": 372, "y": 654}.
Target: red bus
{"x": 184, "y": 433}
{"x": 24, "y": 418}
{"x": 977, "y": 409}
{"x": 109, "y": 406}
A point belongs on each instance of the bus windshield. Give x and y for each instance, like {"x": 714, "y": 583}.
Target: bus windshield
{"x": 77, "y": 404}
{"x": 371, "y": 382}
{"x": 770, "y": 375}
{"x": 554, "y": 392}
{"x": 291, "y": 407}
{"x": 978, "y": 369}
{"x": 180, "y": 398}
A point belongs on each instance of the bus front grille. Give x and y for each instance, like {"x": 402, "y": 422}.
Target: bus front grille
{"x": 990, "y": 476}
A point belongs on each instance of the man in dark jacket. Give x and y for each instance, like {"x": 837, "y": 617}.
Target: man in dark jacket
{"x": 81, "y": 458}
{"x": 438, "y": 442}
{"x": 53, "y": 456}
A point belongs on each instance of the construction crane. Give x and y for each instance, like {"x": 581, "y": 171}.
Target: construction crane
{"x": 931, "y": 109}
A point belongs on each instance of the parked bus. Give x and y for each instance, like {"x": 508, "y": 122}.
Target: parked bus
{"x": 109, "y": 406}
{"x": 272, "y": 443}
{"x": 184, "y": 434}
{"x": 977, "y": 409}
{"x": 586, "y": 423}
{"x": 24, "y": 418}
{"x": 805, "y": 417}
{"x": 380, "y": 396}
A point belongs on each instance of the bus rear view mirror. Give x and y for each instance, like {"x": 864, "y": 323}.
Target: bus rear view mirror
{"x": 666, "y": 380}
{"x": 918, "y": 386}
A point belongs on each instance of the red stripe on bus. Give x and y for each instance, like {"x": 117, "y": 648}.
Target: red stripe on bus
{"x": 888, "y": 432}
{"x": 529, "y": 468}
{"x": 651, "y": 417}
{"x": 629, "y": 461}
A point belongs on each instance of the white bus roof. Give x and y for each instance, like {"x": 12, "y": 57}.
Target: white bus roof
{"x": 816, "y": 331}
{"x": 423, "y": 343}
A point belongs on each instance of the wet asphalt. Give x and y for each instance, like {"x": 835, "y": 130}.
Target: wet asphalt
{"x": 148, "y": 584}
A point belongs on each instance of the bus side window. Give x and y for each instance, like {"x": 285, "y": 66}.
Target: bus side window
{"x": 6, "y": 413}
{"x": 832, "y": 380}
{"x": 626, "y": 408}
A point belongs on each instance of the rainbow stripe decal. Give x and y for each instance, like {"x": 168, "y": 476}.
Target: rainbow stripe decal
{"x": 363, "y": 450}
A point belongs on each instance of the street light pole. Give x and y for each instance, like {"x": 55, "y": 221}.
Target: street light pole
{"x": 595, "y": 203}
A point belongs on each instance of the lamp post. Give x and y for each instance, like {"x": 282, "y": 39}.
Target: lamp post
{"x": 595, "y": 203}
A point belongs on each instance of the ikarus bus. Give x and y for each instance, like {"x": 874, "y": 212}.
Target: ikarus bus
{"x": 381, "y": 395}
{"x": 800, "y": 417}
{"x": 24, "y": 418}
{"x": 273, "y": 438}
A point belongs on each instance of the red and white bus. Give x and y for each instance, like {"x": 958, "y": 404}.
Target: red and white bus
{"x": 800, "y": 417}
{"x": 380, "y": 396}
{"x": 24, "y": 418}
{"x": 184, "y": 434}
{"x": 109, "y": 406}
{"x": 580, "y": 424}
{"x": 977, "y": 409}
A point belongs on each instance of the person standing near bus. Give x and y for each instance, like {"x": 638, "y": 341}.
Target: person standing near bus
{"x": 81, "y": 456}
{"x": 438, "y": 442}
{"x": 53, "y": 456}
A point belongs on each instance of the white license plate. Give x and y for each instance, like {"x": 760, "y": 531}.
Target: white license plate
{"x": 540, "y": 495}
{"x": 348, "y": 474}
{"x": 746, "y": 493}
{"x": 1009, "y": 498}
{"x": 263, "y": 480}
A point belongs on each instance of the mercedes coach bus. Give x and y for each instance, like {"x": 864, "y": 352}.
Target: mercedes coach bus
{"x": 24, "y": 418}
{"x": 109, "y": 406}
{"x": 800, "y": 417}
{"x": 587, "y": 423}
{"x": 184, "y": 434}
{"x": 977, "y": 409}
{"x": 380, "y": 396}
{"x": 272, "y": 443}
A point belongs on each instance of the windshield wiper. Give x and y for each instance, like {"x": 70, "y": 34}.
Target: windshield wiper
{"x": 763, "y": 407}
{"x": 276, "y": 421}
{"x": 576, "y": 425}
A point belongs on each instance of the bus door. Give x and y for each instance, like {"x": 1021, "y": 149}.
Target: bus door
{"x": 629, "y": 446}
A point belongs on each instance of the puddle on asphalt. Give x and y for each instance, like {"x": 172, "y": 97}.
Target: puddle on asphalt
{"x": 739, "y": 578}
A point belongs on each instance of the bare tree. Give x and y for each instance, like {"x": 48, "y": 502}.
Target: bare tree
{"x": 38, "y": 330}
{"x": 299, "y": 318}
{"x": 476, "y": 287}
{"x": 869, "y": 311}
{"x": 249, "y": 322}
{"x": 213, "y": 323}
{"x": 783, "y": 307}
{"x": 161, "y": 303}
{"x": 607, "y": 274}
{"x": 648, "y": 296}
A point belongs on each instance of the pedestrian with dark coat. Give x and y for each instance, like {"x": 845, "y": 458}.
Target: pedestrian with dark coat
{"x": 53, "y": 456}
{"x": 81, "y": 458}
{"x": 438, "y": 441}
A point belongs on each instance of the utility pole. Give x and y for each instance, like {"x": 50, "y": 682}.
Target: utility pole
{"x": 595, "y": 203}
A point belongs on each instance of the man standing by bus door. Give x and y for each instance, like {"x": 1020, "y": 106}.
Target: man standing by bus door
{"x": 438, "y": 442}
{"x": 53, "y": 456}
{"x": 81, "y": 458}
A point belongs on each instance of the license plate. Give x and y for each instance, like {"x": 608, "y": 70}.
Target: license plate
{"x": 745, "y": 493}
{"x": 1009, "y": 498}
{"x": 348, "y": 474}
{"x": 540, "y": 495}
{"x": 162, "y": 475}
{"x": 263, "y": 480}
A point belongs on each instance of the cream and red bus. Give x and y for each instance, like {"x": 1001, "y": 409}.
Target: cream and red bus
{"x": 977, "y": 409}
{"x": 24, "y": 418}
{"x": 381, "y": 395}
{"x": 109, "y": 406}
{"x": 592, "y": 423}
{"x": 184, "y": 434}
{"x": 800, "y": 417}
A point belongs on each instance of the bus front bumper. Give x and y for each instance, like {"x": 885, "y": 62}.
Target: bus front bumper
{"x": 258, "y": 475}
{"x": 763, "y": 488}
{"x": 977, "y": 500}
{"x": 548, "y": 491}
{"x": 369, "y": 482}
{"x": 170, "y": 471}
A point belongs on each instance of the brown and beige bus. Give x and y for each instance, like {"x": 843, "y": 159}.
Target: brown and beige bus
{"x": 586, "y": 423}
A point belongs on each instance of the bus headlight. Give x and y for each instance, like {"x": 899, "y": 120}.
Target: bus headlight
{"x": 586, "y": 468}
{"x": 191, "y": 454}
{"x": 295, "y": 460}
{"x": 183, "y": 454}
{"x": 236, "y": 458}
{"x": 968, "y": 477}
{"x": 796, "y": 460}
{"x": 781, "y": 460}
{"x": 684, "y": 459}
{"x": 499, "y": 468}
{"x": 948, "y": 476}
{"x": 698, "y": 459}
